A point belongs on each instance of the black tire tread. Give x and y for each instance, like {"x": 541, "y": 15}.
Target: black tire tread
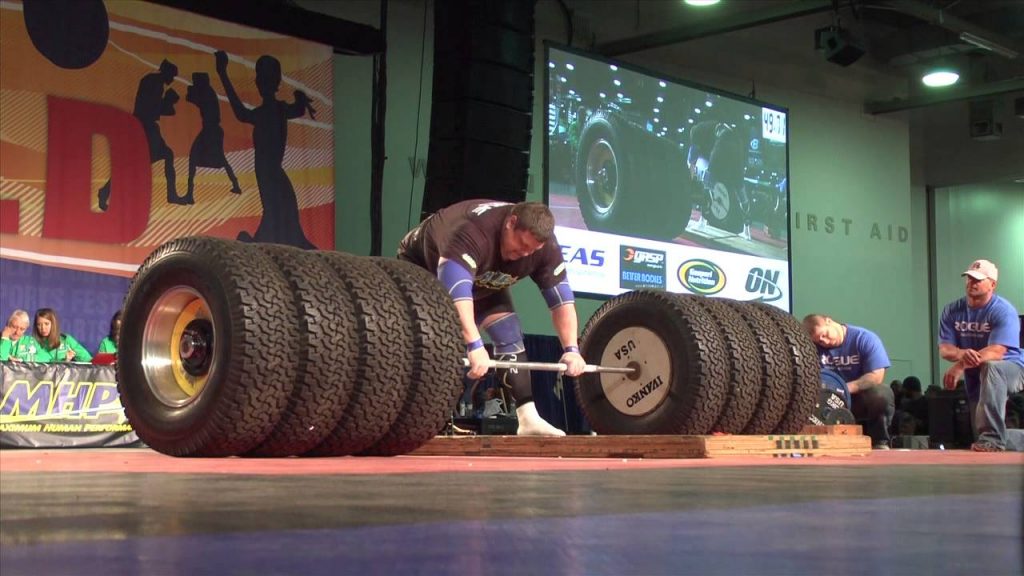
{"x": 435, "y": 376}
{"x": 245, "y": 400}
{"x": 327, "y": 357}
{"x": 806, "y": 381}
{"x": 746, "y": 367}
{"x": 777, "y": 369}
{"x": 385, "y": 357}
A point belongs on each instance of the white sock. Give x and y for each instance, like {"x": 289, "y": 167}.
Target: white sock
{"x": 531, "y": 424}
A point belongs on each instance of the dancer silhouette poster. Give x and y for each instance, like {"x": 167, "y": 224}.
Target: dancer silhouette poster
{"x": 126, "y": 124}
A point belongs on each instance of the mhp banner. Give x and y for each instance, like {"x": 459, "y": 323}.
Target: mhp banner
{"x": 62, "y": 406}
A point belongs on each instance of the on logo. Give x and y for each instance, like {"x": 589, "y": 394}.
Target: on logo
{"x": 765, "y": 283}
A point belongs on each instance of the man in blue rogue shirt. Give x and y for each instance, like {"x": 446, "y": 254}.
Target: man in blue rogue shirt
{"x": 859, "y": 356}
{"x": 980, "y": 335}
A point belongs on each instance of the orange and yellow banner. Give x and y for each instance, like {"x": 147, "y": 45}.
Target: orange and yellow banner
{"x": 126, "y": 124}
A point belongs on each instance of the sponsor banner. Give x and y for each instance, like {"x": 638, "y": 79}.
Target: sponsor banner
{"x": 641, "y": 268}
{"x": 62, "y": 406}
{"x": 590, "y": 259}
{"x": 605, "y": 263}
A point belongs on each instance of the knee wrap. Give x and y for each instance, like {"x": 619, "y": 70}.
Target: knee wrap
{"x": 507, "y": 335}
{"x": 515, "y": 379}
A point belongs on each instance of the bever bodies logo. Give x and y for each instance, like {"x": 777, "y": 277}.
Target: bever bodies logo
{"x": 641, "y": 268}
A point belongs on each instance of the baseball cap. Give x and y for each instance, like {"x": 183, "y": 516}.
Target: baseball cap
{"x": 981, "y": 269}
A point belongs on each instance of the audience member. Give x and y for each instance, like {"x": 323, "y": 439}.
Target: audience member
{"x": 914, "y": 407}
{"x": 897, "y": 392}
{"x": 15, "y": 328}
{"x": 109, "y": 343}
{"x": 47, "y": 344}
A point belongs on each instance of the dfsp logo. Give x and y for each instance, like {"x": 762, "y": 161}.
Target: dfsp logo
{"x": 765, "y": 283}
{"x": 638, "y": 256}
{"x": 582, "y": 256}
{"x": 701, "y": 277}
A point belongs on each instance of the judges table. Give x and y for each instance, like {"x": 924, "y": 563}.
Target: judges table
{"x": 62, "y": 406}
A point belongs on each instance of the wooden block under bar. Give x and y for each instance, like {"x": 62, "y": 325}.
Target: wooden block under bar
{"x": 646, "y": 446}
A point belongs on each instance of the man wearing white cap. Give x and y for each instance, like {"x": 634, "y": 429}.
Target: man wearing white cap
{"x": 980, "y": 334}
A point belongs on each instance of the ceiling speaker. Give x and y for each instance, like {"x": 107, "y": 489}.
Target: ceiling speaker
{"x": 838, "y": 45}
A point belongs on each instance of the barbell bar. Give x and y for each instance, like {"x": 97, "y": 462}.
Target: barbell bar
{"x": 552, "y": 366}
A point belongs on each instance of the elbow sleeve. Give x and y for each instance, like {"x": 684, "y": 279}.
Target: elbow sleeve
{"x": 457, "y": 280}
{"x": 558, "y": 295}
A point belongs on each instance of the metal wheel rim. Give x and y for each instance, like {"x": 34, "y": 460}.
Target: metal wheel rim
{"x": 602, "y": 187}
{"x": 643, "y": 392}
{"x": 163, "y": 364}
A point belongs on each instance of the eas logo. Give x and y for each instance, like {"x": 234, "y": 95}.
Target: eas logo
{"x": 637, "y": 256}
{"x": 701, "y": 277}
{"x": 765, "y": 283}
{"x": 582, "y": 257}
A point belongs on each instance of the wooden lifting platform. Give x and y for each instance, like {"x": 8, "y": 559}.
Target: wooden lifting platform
{"x": 841, "y": 440}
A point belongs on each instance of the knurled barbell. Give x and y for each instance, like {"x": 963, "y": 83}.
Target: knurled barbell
{"x": 554, "y": 366}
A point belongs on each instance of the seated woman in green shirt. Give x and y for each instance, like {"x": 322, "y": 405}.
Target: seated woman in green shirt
{"x": 47, "y": 344}
{"x": 109, "y": 344}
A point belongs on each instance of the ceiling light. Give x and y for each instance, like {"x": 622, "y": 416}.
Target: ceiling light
{"x": 701, "y": 2}
{"x": 939, "y": 77}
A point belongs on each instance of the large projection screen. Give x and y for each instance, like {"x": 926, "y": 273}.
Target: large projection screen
{"x": 662, "y": 184}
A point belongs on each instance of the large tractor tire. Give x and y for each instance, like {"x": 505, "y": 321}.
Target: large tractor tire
{"x": 806, "y": 381}
{"x": 626, "y": 181}
{"x": 724, "y": 209}
{"x": 745, "y": 368}
{"x": 328, "y": 352}
{"x": 435, "y": 377}
{"x": 680, "y": 383}
{"x": 385, "y": 356}
{"x": 770, "y": 350}
{"x": 208, "y": 348}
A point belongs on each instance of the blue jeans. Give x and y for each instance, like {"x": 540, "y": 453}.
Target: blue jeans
{"x": 999, "y": 379}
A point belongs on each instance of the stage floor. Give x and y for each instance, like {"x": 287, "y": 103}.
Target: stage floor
{"x": 133, "y": 511}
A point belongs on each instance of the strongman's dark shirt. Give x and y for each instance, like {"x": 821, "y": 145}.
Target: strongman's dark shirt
{"x": 469, "y": 233}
